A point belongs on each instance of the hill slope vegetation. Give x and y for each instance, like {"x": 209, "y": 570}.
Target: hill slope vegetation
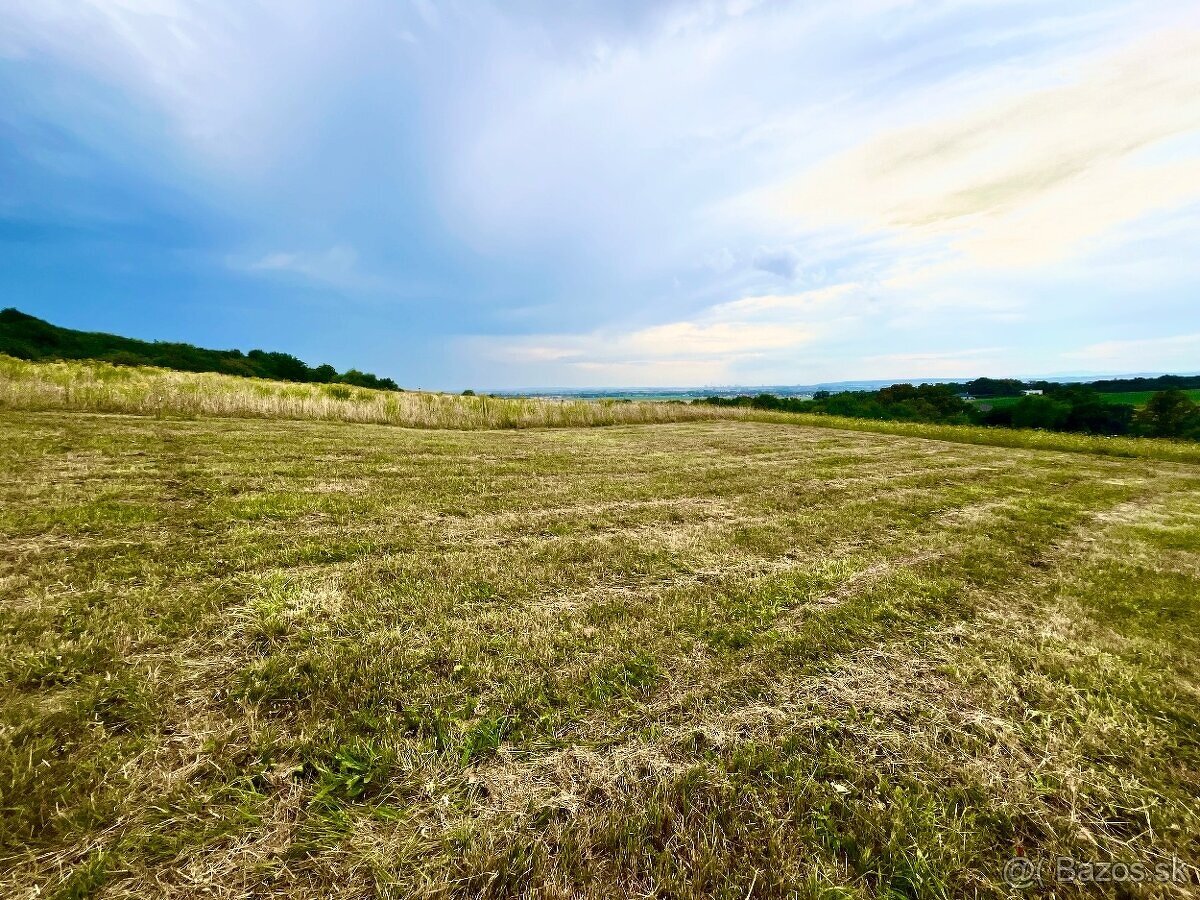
{"x": 26, "y": 337}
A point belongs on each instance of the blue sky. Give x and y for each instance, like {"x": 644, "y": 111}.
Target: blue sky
{"x": 612, "y": 193}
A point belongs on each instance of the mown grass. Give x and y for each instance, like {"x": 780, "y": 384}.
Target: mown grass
{"x": 718, "y": 659}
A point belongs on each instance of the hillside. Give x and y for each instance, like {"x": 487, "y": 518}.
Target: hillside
{"x": 706, "y": 659}
{"x": 26, "y": 337}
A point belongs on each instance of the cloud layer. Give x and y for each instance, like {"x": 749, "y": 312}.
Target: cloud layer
{"x": 528, "y": 193}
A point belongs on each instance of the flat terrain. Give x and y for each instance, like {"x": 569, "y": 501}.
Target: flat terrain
{"x": 697, "y": 659}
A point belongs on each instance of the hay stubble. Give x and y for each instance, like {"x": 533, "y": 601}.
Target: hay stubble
{"x": 709, "y": 659}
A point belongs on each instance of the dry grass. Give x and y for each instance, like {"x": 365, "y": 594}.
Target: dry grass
{"x": 709, "y": 659}
{"x": 101, "y": 387}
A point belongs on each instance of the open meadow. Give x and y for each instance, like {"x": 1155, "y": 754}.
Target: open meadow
{"x": 715, "y": 658}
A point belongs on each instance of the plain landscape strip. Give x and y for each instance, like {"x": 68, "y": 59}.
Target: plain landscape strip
{"x": 99, "y": 387}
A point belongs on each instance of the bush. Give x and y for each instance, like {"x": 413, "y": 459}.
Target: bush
{"x": 1169, "y": 414}
{"x": 1040, "y": 412}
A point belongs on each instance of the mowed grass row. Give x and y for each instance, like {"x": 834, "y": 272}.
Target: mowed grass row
{"x": 98, "y": 387}
{"x": 702, "y": 659}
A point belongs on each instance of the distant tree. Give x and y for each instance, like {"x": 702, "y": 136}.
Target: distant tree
{"x": 1168, "y": 414}
{"x": 1157, "y": 383}
{"x": 1064, "y": 407}
{"x": 1091, "y": 413}
{"x": 994, "y": 387}
{"x": 282, "y": 366}
{"x": 897, "y": 393}
{"x": 324, "y": 374}
{"x": 1040, "y": 412}
{"x": 468, "y": 393}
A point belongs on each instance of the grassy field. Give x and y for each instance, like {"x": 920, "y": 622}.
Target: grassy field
{"x": 99, "y": 387}
{"x": 1128, "y": 398}
{"x": 1139, "y": 398}
{"x": 721, "y": 658}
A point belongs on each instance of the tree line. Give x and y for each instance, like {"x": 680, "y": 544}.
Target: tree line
{"x": 27, "y": 337}
{"x": 1169, "y": 413}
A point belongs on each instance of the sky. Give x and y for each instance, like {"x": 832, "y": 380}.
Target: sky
{"x": 610, "y": 192}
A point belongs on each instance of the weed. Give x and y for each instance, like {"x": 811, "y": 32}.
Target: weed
{"x": 351, "y": 772}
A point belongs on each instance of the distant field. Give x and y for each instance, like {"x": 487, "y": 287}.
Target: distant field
{"x": 997, "y": 402}
{"x": 1139, "y": 398}
{"x": 718, "y": 658}
{"x": 1129, "y": 398}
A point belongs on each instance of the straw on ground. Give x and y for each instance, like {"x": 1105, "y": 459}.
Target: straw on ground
{"x": 698, "y": 659}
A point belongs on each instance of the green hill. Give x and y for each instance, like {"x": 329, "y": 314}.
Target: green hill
{"x": 27, "y": 337}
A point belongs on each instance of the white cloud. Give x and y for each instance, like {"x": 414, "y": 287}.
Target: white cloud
{"x": 787, "y": 304}
{"x": 337, "y": 265}
{"x": 241, "y": 86}
{"x": 636, "y": 147}
{"x": 935, "y": 364}
{"x": 721, "y": 261}
{"x": 1027, "y": 181}
{"x": 1179, "y": 353}
{"x": 713, "y": 345}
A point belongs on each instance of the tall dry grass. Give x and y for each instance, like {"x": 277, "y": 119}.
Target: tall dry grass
{"x": 90, "y": 386}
